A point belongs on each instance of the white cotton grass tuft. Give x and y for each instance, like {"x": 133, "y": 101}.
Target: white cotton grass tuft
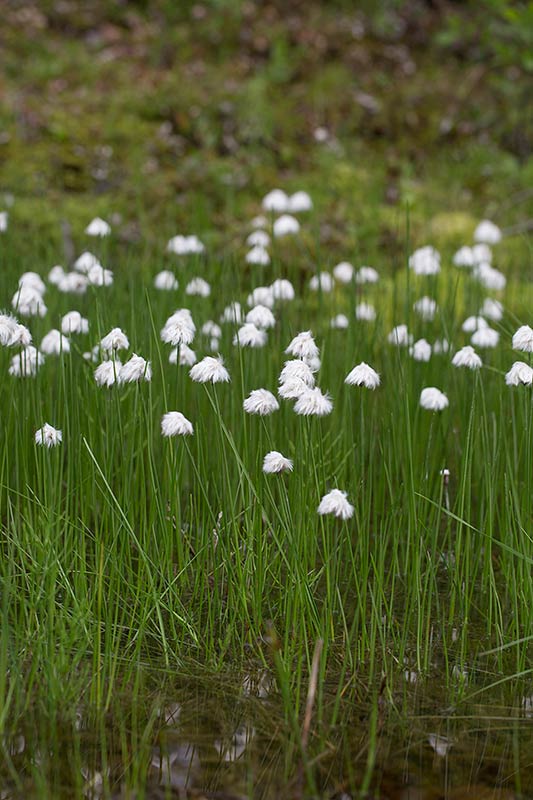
{"x": 185, "y": 245}
{"x": 29, "y": 303}
{"x": 258, "y": 239}
{"x": 179, "y": 328}
{"x": 441, "y": 346}
{"x": 297, "y": 368}
{"x": 491, "y": 309}
{"x": 98, "y": 227}
{"x": 363, "y": 375}
{"x": 303, "y": 346}
{"x": 116, "y": 339}
{"x": 232, "y": 313}
{"x": 523, "y": 339}
{"x": 54, "y": 343}
{"x": 48, "y": 436}
{"x": 292, "y": 388}
{"x": 426, "y": 308}
{"x": 250, "y": 336}
{"x": 73, "y": 322}
{"x": 12, "y": 333}
{"x": 27, "y": 363}
{"x": 274, "y": 463}
{"x": 276, "y": 201}
{"x": 98, "y": 276}
{"x": 313, "y": 403}
{"x": 174, "y": 423}
{"x": 487, "y": 232}
{"x": 166, "y": 281}
{"x": 343, "y": 272}
{"x": 337, "y": 504}
{"x": 472, "y": 324}
{"x": 85, "y": 261}
{"x": 485, "y": 338}
{"x": 366, "y": 275}
{"x": 339, "y": 322}
{"x": 31, "y": 280}
{"x": 261, "y": 296}
{"x": 4, "y": 217}
{"x": 198, "y": 287}
{"x": 73, "y": 283}
{"x": 432, "y": 399}
{"x": 134, "y": 370}
{"x": 420, "y": 350}
{"x": 210, "y": 328}
{"x": 400, "y": 336}
{"x": 365, "y": 312}
{"x": 56, "y": 274}
{"x": 490, "y": 278}
{"x": 261, "y": 402}
{"x": 182, "y": 355}
{"x": 300, "y": 201}
{"x": 425, "y": 261}
{"x": 282, "y": 289}
{"x": 209, "y": 370}
{"x": 262, "y": 317}
{"x": 258, "y": 257}
{"x": 322, "y": 281}
{"x": 464, "y": 257}
{"x": 467, "y": 357}
{"x": 520, "y": 373}
{"x": 106, "y": 373}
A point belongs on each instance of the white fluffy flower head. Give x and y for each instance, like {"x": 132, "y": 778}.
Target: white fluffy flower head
{"x": 48, "y": 436}
{"x": 433, "y": 399}
{"x": 135, "y": 370}
{"x": 303, "y": 346}
{"x": 274, "y": 463}
{"x": 106, "y": 373}
{"x": 520, "y": 372}
{"x": 116, "y": 339}
{"x": 337, "y": 504}
{"x": 250, "y": 336}
{"x": 313, "y": 403}
{"x": 174, "y": 423}
{"x": 523, "y": 339}
{"x": 363, "y": 375}
{"x": 209, "y": 370}
{"x": 467, "y": 357}
{"x": 260, "y": 401}
{"x": 166, "y": 281}
{"x": 54, "y": 343}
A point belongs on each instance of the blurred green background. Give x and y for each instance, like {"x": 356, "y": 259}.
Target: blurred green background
{"x": 166, "y": 115}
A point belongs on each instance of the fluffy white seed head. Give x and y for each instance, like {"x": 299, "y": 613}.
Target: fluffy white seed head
{"x": 182, "y": 355}
{"x": 261, "y": 296}
{"x": 98, "y": 276}
{"x": 106, "y": 373}
{"x": 400, "y": 336}
{"x": 467, "y": 357}
{"x": 297, "y": 369}
{"x": 426, "y": 308}
{"x": 250, "y": 336}
{"x": 274, "y": 463}
{"x": 276, "y": 201}
{"x": 487, "y": 232}
{"x": 420, "y": 350}
{"x": 232, "y": 313}
{"x": 198, "y": 287}
{"x": 464, "y": 257}
{"x": 303, "y": 346}
{"x": 260, "y": 401}
{"x": 492, "y": 309}
{"x": 84, "y": 262}
{"x": 27, "y": 363}
{"x": 485, "y": 337}
{"x": 520, "y": 373}
{"x": 337, "y": 504}
{"x": 363, "y": 375}
{"x": 523, "y": 339}
{"x": 365, "y": 312}
{"x": 73, "y": 322}
{"x": 322, "y": 281}
{"x": 166, "y": 281}
{"x": 56, "y": 274}
{"x": 98, "y": 227}
{"x": 425, "y": 261}
{"x": 134, "y": 370}
{"x": 29, "y": 303}
{"x": 179, "y": 328}
{"x": 313, "y": 403}
{"x": 282, "y": 289}
{"x": 366, "y": 275}
{"x": 73, "y": 283}
{"x": 116, "y": 339}
{"x": 211, "y": 328}
{"x": 292, "y": 388}
{"x": 185, "y": 245}
{"x": 433, "y": 399}
{"x": 285, "y": 225}
{"x": 258, "y": 239}
{"x": 262, "y": 317}
{"x": 472, "y": 324}
{"x": 210, "y": 370}
{"x": 174, "y": 423}
{"x": 258, "y": 256}
{"x": 48, "y": 436}
{"x": 482, "y": 254}
{"x": 54, "y": 343}
{"x": 339, "y": 322}
{"x": 441, "y": 346}
{"x": 343, "y": 272}
{"x": 492, "y": 279}
{"x": 300, "y": 201}
{"x": 31, "y": 280}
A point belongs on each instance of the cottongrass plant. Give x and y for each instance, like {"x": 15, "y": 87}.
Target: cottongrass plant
{"x": 139, "y": 543}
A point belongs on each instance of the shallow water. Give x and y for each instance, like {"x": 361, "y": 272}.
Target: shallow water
{"x": 204, "y": 739}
